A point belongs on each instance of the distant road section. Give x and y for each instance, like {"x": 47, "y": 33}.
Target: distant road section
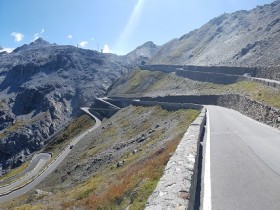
{"x": 53, "y": 165}
{"x": 40, "y": 159}
{"x": 244, "y": 162}
{"x": 268, "y": 82}
{"x": 36, "y": 164}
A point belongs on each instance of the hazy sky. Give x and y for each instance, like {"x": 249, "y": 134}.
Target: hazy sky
{"x": 117, "y": 26}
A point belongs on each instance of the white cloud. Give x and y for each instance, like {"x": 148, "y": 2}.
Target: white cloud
{"x": 17, "y": 36}
{"x": 83, "y": 43}
{"x": 39, "y": 34}
{"x": 69, "y": 36}
{"x": 131, "y": 24}
{"x": 7, "y": 49}
{"x": 92, "y": 39}
{"x": 106, "y": 49}
{"x": 36, "y": 36}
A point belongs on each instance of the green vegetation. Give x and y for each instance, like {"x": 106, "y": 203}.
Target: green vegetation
{"x": 29, "y": 207}
{"x": 252, "y": 90}
{"x": 137, "y": 77}
{"x": 63, "y": 138}
{"x": 136, "y": 82}
{"x": 15, "y": 171}
{"x": 258, "y": 92}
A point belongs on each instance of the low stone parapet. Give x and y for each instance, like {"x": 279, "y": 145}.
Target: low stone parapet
{"x": 176, "y": 189}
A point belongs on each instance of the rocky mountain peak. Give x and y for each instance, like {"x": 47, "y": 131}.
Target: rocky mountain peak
{"x": 40, "y": 41}
{"x": 142, "y": 53}
{"x": 149, "y": 44}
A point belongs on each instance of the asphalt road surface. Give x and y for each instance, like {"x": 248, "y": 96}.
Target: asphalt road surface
{"x": 244, "y": 163}
{"x": 267, "y": 80}
{"x": 37, "y": 162}
{"x": 40, "y": 159}
{"x": 54, "y": 164}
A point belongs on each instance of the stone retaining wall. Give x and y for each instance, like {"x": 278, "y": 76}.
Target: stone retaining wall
{"x": 270, "y": 72}
{"x": 213, "y": 74}
{"x": 176, "y": 189}
{"x": 256, "y": 110}
{"x": 168, "y": 105}
{"x": 221, "y": 74}
{"x": 210, "y": 69}
{"x": 216, "y": 78}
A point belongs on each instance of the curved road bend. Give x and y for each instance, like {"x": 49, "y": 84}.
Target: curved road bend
{"x": 37, "y": 162}
{"x": 244, "y": 162}
{"x": 54, "y": 164}
{"x": 36, "y": 159}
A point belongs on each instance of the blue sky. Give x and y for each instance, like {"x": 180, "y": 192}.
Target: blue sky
{"x": 117, "y": 26}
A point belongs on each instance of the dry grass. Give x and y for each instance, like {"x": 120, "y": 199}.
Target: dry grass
{"x": 76, "y": 127}
{"x": 114, "y": 187}
{"x": 258, "y": 92}
{"x": 119, "y": 188}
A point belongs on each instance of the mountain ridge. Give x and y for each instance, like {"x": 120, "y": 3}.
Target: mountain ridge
{"x": 42, "y": 87}
{"x": 242, "y": 38}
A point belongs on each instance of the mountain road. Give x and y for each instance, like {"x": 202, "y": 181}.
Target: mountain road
{"x": 14, "y": 192}
{"x": 244, "y": 163}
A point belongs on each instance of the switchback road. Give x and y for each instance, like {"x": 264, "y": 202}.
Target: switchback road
{"x": 51, "y": 167}
{"x": 37, "y": 162}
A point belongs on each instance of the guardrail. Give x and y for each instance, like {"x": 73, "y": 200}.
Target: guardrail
{"x": 267, "y": 82}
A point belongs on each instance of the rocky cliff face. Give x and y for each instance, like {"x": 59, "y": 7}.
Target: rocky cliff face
{"x": 243, "y": 38}
{"x": 42, "y": 86}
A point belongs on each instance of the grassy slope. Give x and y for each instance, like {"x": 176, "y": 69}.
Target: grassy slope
{"x": 14, "y": 171}
{"x": 118, "y": 187}
{"x": 77, "y": 126}
{"x": 166, "y": 84}
{"x": 258, "y": 92}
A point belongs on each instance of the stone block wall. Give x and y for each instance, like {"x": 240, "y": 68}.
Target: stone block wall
{"x": 176, "y": 189}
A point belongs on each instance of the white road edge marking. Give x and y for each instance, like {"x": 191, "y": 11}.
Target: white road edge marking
{"x": 207, "y": 175}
